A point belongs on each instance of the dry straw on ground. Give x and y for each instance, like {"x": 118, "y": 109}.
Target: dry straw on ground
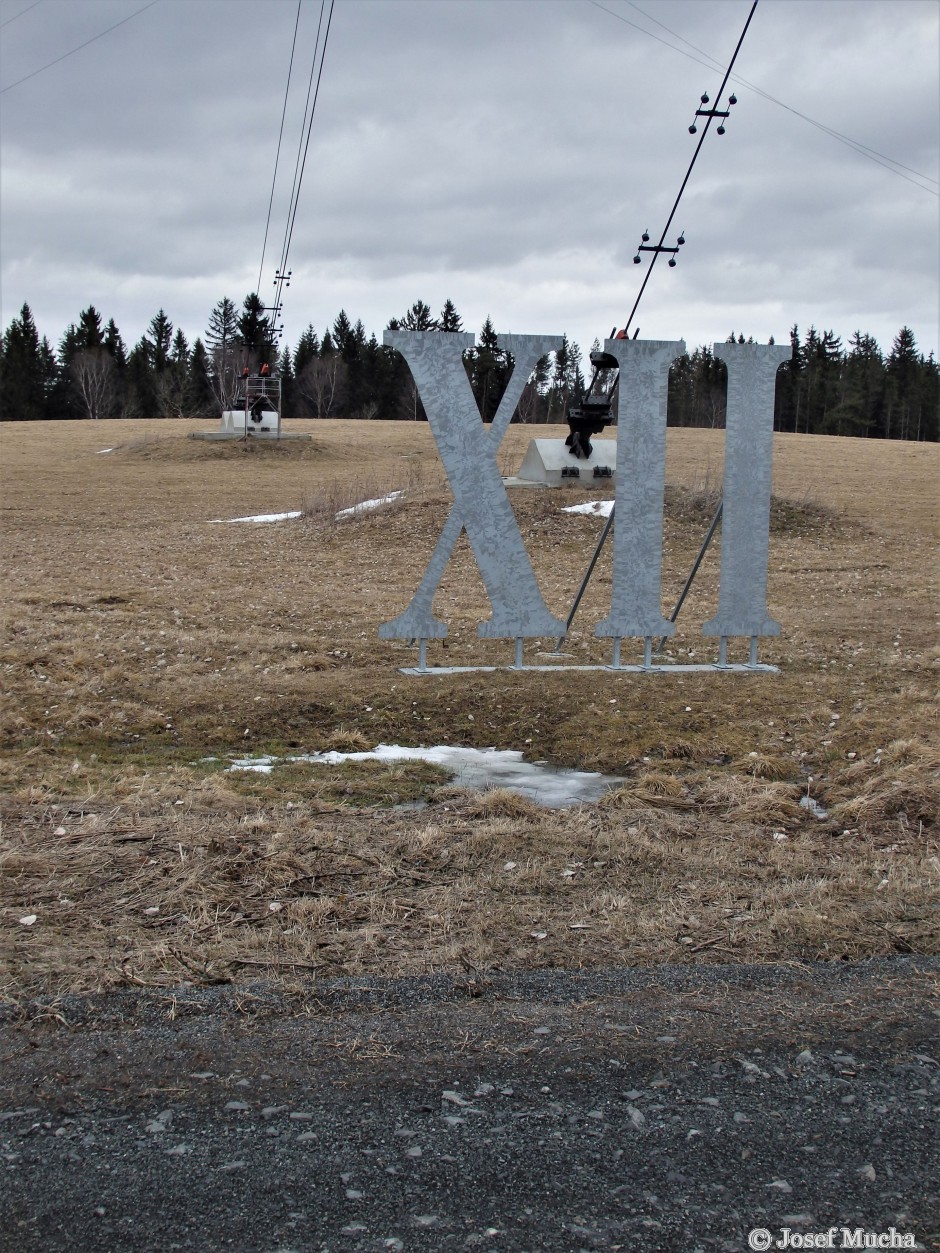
{"x": 143, "y": 638}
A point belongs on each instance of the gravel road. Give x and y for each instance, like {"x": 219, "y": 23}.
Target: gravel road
{"x": 674, "y": 1108}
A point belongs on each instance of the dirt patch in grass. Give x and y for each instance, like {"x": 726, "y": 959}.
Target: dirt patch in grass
{"x": 140, "y": 637}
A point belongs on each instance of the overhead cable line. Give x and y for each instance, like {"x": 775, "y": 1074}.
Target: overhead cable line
{"x": 319, "y": 52}
{"x": 857, "y": 144}
{"x": 299, "y": 174}
{"x": 879, "y": 158}
{"x": 20, "y": 14}
{"x": 280, "y": 137}
{"x": 65, "y": 55}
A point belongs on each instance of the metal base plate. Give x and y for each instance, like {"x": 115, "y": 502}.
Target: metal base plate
{"x": 222, "y": 436}
{"x": 666, "y": 668}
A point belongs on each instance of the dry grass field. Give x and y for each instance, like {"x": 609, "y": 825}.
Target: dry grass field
{"x": 142, "y": 636}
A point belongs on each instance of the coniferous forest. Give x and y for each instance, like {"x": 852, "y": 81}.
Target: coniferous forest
{"x": 826, "y": 388}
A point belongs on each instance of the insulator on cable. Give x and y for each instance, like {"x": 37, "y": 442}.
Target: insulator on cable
{"x": 704, "y": 98}
{"x": 692, "y": 129}
{"x": 645, "y": 237}
{"x": 672, "y": 261}
{"x": 732, "y": 99}
{"x": 721, "y": 130}
{"x": 681, "y": 239}
{"x": 636, "y": 259}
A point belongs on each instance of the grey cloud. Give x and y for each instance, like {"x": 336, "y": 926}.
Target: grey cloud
{"x": 516, "y": 149}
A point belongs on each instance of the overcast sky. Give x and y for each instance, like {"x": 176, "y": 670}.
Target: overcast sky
{"x": 505, "y": 154}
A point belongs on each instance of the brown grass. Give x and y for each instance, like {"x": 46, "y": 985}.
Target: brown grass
{"x": 140, "y": 638}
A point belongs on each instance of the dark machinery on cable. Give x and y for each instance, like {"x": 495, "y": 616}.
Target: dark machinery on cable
{"x": 594, "y": 408}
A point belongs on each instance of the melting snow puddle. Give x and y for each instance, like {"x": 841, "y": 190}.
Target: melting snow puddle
{"x": 814, "y": 807}
{"x": 473, "y": 768}
{"x": 599, "y": 508}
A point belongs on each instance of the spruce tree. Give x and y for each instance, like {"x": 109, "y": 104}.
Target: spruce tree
{"x": 90, "y": 334}
{"x": 928, "y": 426}
{"x": 861, "y": 390}
{"x": 160, "y": 339}
{"x": 558, "y": 391}
{"x": 285, "y": 372}
{"x": 489, "y": 368}
{"x": 179, "y": 351}
{"x": 681, "y": 392}
{"x": 370, "y": 357}
{"x": 450, "y": 319}
{"x": 343, "y": 337}
{"x": 832, "y": 356}
{"x": 173, "y": 382}
{"x": 200, "y": 392}
{"x": 902, "y": 410}
{"x": 392, "y": 380}
{"x": 114, "y": 344}
{"x": 23, "y": 391}
{"x": 257, "y": 335}
{"x": 577, "y": 378}
{"x": 786, "y": 397}
{"x": 308, "y": 346}
{"x": 222, "y": 348}
{"x": 141, "y": 394}
{"x": 710, "y": 384}
{"x": 222, "y": 328}
{"x": 418, "y": 318}
{"x": 66, "y": 402}
{"x": 49, "y": 372}
{"x": 543, "y": 383}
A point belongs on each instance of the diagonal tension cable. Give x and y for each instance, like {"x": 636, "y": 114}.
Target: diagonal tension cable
{"x": 688, "y": 174}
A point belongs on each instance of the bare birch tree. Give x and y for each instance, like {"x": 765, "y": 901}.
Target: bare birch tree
{"x": 93, "y": 375}
{"x": 321, "y": 381}
{"x": 224, "y": 375}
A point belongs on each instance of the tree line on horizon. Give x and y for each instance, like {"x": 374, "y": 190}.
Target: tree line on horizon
{"x": 822, "y": 389}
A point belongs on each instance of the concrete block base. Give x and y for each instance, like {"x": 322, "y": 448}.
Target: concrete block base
{"x": 545, "y": 460}
{"x": 233, "y": 427}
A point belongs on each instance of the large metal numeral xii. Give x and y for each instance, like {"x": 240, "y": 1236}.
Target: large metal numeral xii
{"x": 481, "y": 505}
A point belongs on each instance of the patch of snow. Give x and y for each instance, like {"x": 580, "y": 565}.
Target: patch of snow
{"x": 473, "y": 768}
{"x": 366, "y": 505}
{"x": 261, "y": 765}
{"x": 599, "y": 508}
{"x": 262, "y": 517}
{"x": 363, "y": 507}
{"x": 102, "y": 451}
